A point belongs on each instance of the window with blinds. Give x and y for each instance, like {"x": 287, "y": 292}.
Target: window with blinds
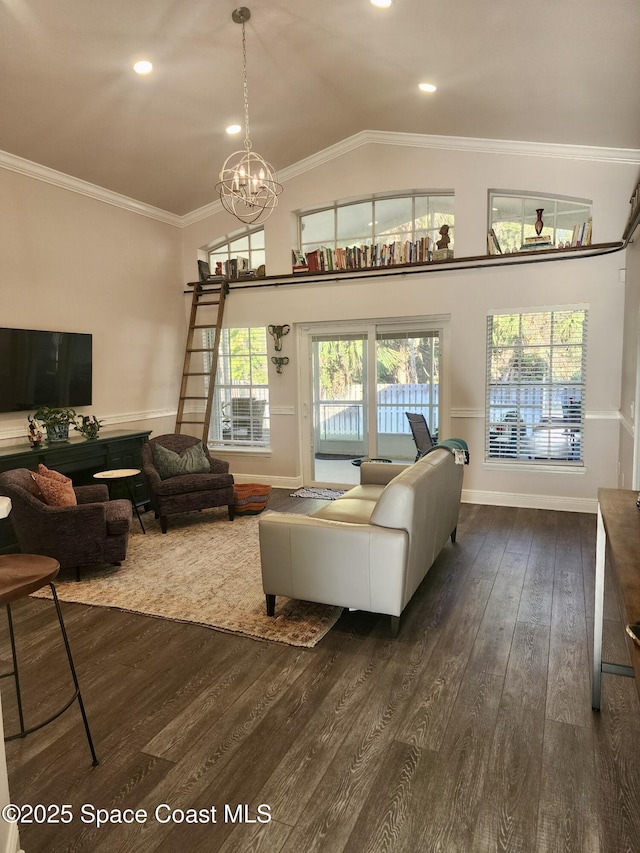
{"x": 240, "y": 413}
{"x": 536, "y": 386}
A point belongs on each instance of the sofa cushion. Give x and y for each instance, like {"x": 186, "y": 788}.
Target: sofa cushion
{"x": 55, "y": 492}
{"x": 350, "y": 510}
{"x": 366, "y": 492}
{"x": 169, "y": 464}
{"x": 183, "y": 483}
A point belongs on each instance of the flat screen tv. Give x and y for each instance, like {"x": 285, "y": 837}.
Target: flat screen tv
{"x": 40, "y": 368}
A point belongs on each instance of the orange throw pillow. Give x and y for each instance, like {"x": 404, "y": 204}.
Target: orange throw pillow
{"x": 55, "y": 492}
{"x": 52, "y": 475}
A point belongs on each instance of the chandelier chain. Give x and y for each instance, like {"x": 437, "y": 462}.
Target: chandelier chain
{"x": 248, "y": 186}
{"x": 247, "y": 141}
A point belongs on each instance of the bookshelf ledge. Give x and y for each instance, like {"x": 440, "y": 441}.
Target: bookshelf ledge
{"x": 472, "y": 262}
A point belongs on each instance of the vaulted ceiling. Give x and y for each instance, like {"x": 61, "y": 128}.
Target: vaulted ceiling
{"x": 318, "y": 71}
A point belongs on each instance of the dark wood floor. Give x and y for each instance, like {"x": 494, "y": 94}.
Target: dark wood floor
{"x": 472, "y": 731}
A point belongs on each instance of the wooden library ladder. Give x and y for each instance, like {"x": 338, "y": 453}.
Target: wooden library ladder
{"x": 207, "y": 311}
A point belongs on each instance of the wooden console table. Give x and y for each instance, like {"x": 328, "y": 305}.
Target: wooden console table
{"x": 617, "y": 551}
{"x": 79, "y": 459}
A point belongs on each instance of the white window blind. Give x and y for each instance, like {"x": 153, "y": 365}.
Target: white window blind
{"x": 536, "y": 386}
{"x": 240, "y": 413}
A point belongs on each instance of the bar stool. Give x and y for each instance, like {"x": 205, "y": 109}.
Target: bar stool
{"x": 20, "y": 575}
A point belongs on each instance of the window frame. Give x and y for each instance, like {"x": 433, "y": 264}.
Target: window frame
{"x": 222, "y": 426}
{"x": 224, "y": 251}
{"x": 337, "y": 241}
{"x": 527, "y": 221}
{"x": 517, "y": 437}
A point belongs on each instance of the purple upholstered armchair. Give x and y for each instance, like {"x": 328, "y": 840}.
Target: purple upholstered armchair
{"x": 185, "y": 492}
{"x": 93, "y": 533}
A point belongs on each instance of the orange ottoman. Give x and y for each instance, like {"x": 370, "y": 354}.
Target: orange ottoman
{"x": 250, "y": 498}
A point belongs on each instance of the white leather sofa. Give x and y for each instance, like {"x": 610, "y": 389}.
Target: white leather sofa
{"x": 370, "y": 548}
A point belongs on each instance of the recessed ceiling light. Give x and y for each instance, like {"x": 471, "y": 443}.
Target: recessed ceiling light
{"x": 143, "y": 67}
{"x": 233, "y": 128}
{"x": 381, "y": 4}
{"x": 427, "y": 87}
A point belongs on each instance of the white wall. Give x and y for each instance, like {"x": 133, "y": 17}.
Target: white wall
{"x": 467, "y": 296}
{"x": 72, "y": 263}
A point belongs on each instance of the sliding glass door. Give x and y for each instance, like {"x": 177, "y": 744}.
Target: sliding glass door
{"x": 340, "y": 410}
{"x": 362, "y": 381}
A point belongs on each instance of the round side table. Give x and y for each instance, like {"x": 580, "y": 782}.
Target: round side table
{"x": 5, "y": 506}
{"x": 124, "y": 475}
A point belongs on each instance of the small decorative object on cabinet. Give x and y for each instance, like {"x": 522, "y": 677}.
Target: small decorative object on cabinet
{"x": 89, "y": 426}
{"x": 56, "y": 421}
{"x": 278, "y": 332}
{"x": 34, "y": 432}
{"x": 539, "y": 224}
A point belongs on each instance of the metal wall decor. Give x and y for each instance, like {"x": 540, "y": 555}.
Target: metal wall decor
{"x": 248, "y": 185}
{"x": 279, "y": 362}
{"x": 278, "y": 332}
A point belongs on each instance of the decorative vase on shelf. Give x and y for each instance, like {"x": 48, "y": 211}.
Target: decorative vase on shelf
{"x": 539, "y": 224}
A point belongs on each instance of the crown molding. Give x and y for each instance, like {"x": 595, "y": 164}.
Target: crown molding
{"x": 506, "y": 146}
{"x": 444, "y": 143}
{"x": 351, "y": 143}
{"x": 67, "y": 182}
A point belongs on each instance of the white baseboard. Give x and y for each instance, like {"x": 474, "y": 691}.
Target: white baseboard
{"x": 563, "y": 504}
{"x": 12, "y": 844}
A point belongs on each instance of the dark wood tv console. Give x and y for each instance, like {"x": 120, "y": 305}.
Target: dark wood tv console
{"x": 79, "y": 459}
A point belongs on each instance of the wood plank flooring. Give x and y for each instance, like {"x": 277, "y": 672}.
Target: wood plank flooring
{"x": 472, "y": 732}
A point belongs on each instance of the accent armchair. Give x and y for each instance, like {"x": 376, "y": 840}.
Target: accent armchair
{"x": 93, "y": 533}
{"x": 205, "y": 483}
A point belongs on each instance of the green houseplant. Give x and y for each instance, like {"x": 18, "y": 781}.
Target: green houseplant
{"x": 89, "y": 426}
{"x": 56, "y": 421}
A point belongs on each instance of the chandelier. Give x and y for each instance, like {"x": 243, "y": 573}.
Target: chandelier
{"x": 248, "y": 185}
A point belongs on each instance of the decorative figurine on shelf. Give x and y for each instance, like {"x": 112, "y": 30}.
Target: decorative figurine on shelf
{"x": 443, "y": 242}
{"x": 539, "y": 224}
{"x": 218, "y": 268}
{"x": 89, "y": 427}
{"x": 34, "y": 432}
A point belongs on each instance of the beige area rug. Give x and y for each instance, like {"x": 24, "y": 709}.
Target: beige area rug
{"x": 206, "y": 570}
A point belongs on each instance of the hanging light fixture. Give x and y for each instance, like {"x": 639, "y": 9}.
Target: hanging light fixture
{"x": 248, "y": 185}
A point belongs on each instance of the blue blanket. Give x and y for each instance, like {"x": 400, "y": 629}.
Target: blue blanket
{"x": 457, "y": 446}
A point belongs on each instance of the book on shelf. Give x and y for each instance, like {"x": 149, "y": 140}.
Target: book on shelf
{"x": 493, "y": 246}
{"x": 539, "y": 238}
{"x": 234, "y": 266}
{"x": 582, "y": 234}
{"x": 534, "y": 247}
{"x": 442, "y": 254}
{"x": 369, "y": 256}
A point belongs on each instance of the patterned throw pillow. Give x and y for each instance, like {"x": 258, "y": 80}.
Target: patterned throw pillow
{"x": 55, "y": 492}
{"x": 193, "y": 460}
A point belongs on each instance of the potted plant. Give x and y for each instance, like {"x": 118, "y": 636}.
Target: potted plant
{"x": 89, "y": 427}
{"x": 56, "y": 421}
